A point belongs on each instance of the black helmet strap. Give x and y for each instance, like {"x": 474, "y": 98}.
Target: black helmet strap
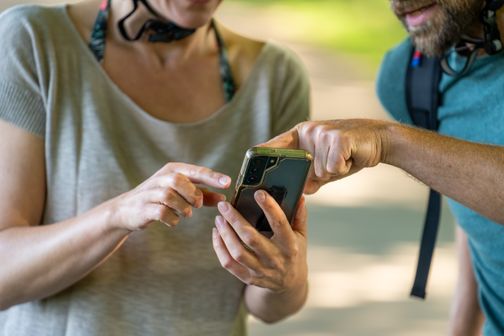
{"x": 158, "y": 29}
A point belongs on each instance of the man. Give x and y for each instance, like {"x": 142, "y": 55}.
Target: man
{"x": 465, "y": 163}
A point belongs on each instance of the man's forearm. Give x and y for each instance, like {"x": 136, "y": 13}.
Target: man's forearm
{"x": 470, "y": 173}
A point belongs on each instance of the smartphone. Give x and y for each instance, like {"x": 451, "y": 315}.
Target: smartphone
{"x": 280, "y": 172}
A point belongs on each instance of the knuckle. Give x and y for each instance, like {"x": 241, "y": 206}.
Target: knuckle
{"x": 160, "y": 212}
{"x": 308, "y": 129}
{"x": 166, "y": 215}
{"x": 276, "y": 265}
{"x": 187, "y": 211}
{"x": 240, "y": 256}
{"x": 281, "y": 283}
{"x": 168, "y": 195}
{"x": 342, "y": 169}
{"x": 233, "y": 219}
{"x": 204, "y": 171}
{"x": 269, "y": 203}
{"x": 293, "y": 252}
{"x": 193, "y": 171}
{"x": 250, "y": 240}
{"x": 276, "y": 222}
{"x": 226, "y": 262}
{"x": 319, "y": 130}
{"x": 324, "y": 133}
{"x": 178, "y": 179}
{"x": 197, "y": 194}
{"x": 258, "y": 274}
{"x": 175, "y": 220}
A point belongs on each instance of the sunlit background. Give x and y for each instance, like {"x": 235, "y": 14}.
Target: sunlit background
{"x": 364, "y": 230}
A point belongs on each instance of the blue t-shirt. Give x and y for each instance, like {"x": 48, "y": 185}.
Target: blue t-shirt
{"x": 472, "y": 109}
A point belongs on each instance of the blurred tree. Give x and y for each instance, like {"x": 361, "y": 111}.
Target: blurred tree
{"x": 363, "y": 29}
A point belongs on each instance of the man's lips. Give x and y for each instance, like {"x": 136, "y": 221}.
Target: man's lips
{"x": 401, "y": 9}
{"x": 418, "y": 17}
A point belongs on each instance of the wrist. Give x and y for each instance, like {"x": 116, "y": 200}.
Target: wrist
{"x": 112, "y": 217}
{"x": 299, "y": 288}
{"x": 393, "y": 137}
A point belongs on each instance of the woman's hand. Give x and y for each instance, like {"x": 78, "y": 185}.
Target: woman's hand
{"x": 277, "y": 264}
{"x": 169, "y": 195}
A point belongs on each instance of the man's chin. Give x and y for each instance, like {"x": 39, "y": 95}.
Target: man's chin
{"x": 429, "y": 46}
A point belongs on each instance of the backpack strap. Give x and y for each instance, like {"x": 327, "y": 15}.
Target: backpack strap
{"x": 423, "y": 99}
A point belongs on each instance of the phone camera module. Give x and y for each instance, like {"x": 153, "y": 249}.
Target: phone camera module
{"x": 272, "y": 161}
{"x": 255, "y": 170}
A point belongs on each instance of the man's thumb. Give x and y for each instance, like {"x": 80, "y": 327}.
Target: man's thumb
{"x": 289, "y": 139}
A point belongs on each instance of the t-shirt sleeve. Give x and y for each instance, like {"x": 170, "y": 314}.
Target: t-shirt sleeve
{"x": 21, "y": 102}
{"x": 293, "y": 96}
{"x": 391, "y": 82}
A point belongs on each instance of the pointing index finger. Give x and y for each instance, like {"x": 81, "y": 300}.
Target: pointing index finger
{"x": 202, "y": 175}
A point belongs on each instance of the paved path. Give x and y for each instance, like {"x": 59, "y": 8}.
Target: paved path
{"x": 363, "y": 230}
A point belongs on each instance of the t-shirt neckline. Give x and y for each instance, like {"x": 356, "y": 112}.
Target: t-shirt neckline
{"x": 246, "y": 85}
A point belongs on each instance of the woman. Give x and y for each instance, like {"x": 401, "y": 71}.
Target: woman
{"x": 116, "y": 117}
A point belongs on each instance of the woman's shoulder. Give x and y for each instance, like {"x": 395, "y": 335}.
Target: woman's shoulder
{"x": 27, "y": 15}
{"x": 245, "y": 53}
{"x": 23, "y": 23}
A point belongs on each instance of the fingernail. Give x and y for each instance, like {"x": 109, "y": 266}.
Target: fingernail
{"x": 224, "y": 180}
{"x": 260, "y": 196}
{"x": 223, "y": 206}
{"x": 219, "y": 221}
{"x": 198, "y": 199}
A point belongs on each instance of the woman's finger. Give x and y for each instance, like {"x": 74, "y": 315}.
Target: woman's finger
{"x": 211, "y": 199}
{"x": 235, "y": 247}
{"x": 160, "y": 213}
{"x": 248, "y": 234}
{"x": 200, "y": 175}
{"x": 226, "y": 260}
{"x": 182, "y": 185}
{"x": 280, "y": 226}
{"x": 171, "y": 199}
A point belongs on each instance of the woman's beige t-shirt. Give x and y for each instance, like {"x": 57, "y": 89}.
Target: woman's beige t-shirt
{"x": 99, "y": 144}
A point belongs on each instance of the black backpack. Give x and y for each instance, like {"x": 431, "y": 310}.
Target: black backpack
{"x": 423, "y": 99}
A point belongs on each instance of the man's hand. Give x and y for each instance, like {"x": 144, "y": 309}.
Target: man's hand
{"x": 339, "y": 147}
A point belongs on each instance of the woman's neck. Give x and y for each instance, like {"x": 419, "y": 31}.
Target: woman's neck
{"x": 200, "y": 42}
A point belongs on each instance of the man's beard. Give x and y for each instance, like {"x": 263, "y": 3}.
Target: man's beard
{"x": 445, "y": 28}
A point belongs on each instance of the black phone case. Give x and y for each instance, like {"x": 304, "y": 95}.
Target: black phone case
{"x": 284, "y": 182}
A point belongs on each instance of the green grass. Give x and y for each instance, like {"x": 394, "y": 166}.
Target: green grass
{"x": 363, "y": 29}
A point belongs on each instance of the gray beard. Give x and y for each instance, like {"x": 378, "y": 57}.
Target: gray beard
{"x": 446, "y": 27}
{"x": 436, "y": 37}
